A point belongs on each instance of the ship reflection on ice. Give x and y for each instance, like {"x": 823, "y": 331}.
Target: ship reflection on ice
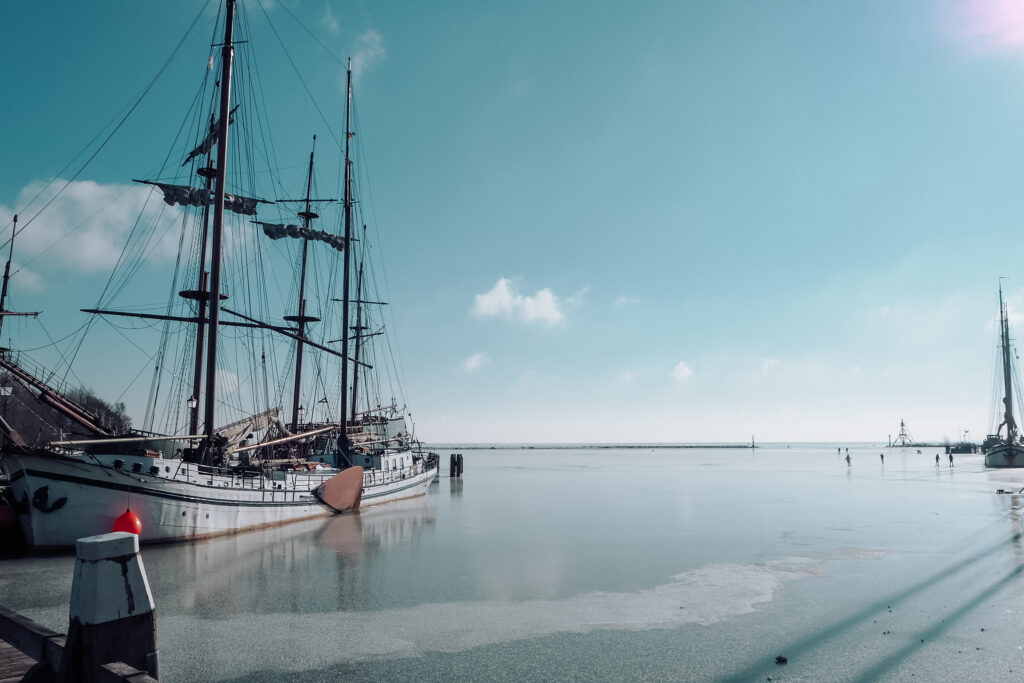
{"x": 320, "y": 565}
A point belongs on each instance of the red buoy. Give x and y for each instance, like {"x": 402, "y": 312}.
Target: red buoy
{"x": 128, "y": 521}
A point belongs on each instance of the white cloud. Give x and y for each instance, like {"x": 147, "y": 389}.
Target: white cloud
{"x": 504, "y": 301}
{"x": 768, "y": 363}
{"x": 681, "y": 371}
{"x": 369, "y": 49}
{"x": 28, "y": 280}
{"x": 329, "y": 21}
{"x": 86, "y": 227}
{"x": 476, "y": 361}
{"x": 626, "y": 376}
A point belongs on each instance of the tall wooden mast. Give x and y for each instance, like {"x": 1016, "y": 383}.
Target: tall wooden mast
{"x": 201, "y": 297}
{"x": 358, "y": 336}
{"x": 343, "y": 441}
{"x": 227, "y": 55}
{"x": 301, "y": 319}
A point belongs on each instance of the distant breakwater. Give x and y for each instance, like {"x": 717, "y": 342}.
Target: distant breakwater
{"x": 586, "y": 446}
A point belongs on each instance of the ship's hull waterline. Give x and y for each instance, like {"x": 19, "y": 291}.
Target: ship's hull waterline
{"x": 1005, "y": 455}
{"x": 62, "y": 499}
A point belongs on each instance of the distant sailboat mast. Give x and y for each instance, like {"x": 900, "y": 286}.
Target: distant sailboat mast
{"x": 1004, "y": 334}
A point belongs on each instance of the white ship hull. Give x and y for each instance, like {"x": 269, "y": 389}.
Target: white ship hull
{"x": 1005, "y": 455}
{"x": 60, "y": 499}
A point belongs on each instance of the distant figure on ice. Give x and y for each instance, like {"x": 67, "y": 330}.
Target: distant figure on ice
{"x": 882, "y": 456}
{"x": 839, "y": 451}
{"x": 848, "y": 461}
{"x": 950, "y": 459}
{"x": 936, "y": 459}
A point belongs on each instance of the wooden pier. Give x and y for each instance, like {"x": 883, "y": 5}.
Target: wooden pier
{"x": 13, "y": 663}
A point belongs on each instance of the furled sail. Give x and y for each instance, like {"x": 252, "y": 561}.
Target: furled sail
{"x": 196, "y": 196}
{"x": 276, "y": 231}
{"x": 211, "y": 139}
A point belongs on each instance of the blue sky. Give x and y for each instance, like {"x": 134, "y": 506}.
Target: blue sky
{"x": 654, "y": 221}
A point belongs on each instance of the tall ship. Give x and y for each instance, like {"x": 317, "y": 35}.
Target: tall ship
{"x": 217, "y": 453}
{"x": 1004, "y": 448}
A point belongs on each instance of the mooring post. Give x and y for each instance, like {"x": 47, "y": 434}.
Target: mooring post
{"x": 111, "y": 615}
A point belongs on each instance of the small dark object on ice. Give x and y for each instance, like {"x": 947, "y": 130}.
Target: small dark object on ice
{"x": 982, "y": 629}
{"x": 781, "y": 660}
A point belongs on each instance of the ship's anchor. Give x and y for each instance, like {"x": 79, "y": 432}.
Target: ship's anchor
{"x": 40, "y": 501}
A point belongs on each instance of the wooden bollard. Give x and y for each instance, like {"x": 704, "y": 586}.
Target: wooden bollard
{"x": 111, "y": 615}
{"x": 453, "y": 466}
{"x": 460, "y": 464}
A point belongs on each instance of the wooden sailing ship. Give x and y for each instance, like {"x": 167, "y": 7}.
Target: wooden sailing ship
{"x": 1004, "y": 448}
{"x": 203, "y": 479}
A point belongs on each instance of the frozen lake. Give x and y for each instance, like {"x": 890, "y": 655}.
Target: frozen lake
{"x": 620, "y": 564}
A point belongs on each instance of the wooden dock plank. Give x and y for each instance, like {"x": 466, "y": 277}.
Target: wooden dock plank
{"x": 13, "y": 664}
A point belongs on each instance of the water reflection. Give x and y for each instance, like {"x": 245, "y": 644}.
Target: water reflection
{"x": 1008, "y": 485}
{"x": 320, "y": 565}
{"x": 455, "y": 487}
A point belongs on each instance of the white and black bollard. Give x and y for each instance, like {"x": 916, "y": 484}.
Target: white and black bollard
{"x": 111, "y": 615}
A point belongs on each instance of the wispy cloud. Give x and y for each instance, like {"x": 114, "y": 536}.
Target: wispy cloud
{"x": 475, "y": 362}
{"x": 504, "y": 301}
{"x": 681, "y": 371}
{"x": 991, "y": 25}
{"x": 329, "y": 21}
{"x": 768, "y": 363}
{"x": 86, "y": 227}
{"x": 576, "y": 298}
{"x": 369, "y": 50}
{"x": 623, "y": 301}
{"x": 626, "y": 376}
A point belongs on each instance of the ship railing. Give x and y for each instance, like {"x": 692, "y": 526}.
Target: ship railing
{"x": 37, "y": 370}
{"x": 378, "y": 477}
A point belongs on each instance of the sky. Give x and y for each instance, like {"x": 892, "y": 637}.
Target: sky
{"x": 602, "y": 222}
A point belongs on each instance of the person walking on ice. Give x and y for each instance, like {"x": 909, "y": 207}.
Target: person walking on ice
{"x": 848, "y": 461}
{"x": 950, "y": 459}
{"x": 882, "y": 456}
{"x": 936, "y": 459}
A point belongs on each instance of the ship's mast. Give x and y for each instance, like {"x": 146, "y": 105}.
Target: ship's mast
{"x": 7, "y": 273}
{"x": 201, "y": 297}
{"x": 343, "y": 440}
{"x": 227, "y": 54}
{"x": 7, "y": 278}
{"x": 358, "y": 334}
{"x": 301, "y": 319}
{"x": 1004, "y": 334}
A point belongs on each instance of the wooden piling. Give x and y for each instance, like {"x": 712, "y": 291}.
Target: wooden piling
{"x": 111, "y": 613}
